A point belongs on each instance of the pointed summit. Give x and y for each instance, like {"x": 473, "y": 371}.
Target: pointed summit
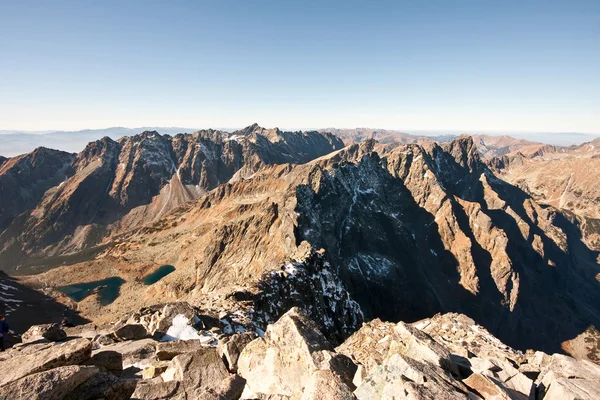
{"x": 254, "y": 128}
{"x": 464, "y": 151}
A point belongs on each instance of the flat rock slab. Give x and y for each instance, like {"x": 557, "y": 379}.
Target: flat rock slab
{"x": 56, "y": 383}
{"x": 132, "y": 352}
{"x": 48, "y": 356}
{"x": 104, "y": 385}
{"x": 168, "y": 350}
{"x": 151, "y": 390}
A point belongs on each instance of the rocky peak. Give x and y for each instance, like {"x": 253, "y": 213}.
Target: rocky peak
{"x": 211, "y": 134}
{"x": 24, "y": 179}
{"x": 249, "y": 130}
{"x": 149, "y": 134}
{"x": 465, "y": 153}
{"x": 102, "y": 148}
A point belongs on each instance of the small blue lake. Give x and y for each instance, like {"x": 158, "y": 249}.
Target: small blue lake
{"x": 157, "y": 275}
{"x": 107, "y": 290}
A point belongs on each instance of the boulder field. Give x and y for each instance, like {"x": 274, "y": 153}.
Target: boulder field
{"x": 143, "y": 356}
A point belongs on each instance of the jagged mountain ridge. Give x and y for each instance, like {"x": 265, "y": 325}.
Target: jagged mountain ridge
{"x": 563, "y": 177}
{"x": 24, "y": 179}
{"x": 409, "y": 230}
{"x": 358, "y": 135}
{"x": 491, "y": 244}
{"x": 115, "y": 185}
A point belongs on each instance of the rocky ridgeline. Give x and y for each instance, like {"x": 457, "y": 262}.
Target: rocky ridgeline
{"x": 65, "y": 202}
{"x": 143, "y": 357}
{"x": 313, "y": 285}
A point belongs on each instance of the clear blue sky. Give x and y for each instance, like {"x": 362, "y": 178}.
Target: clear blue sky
{"x": 449, "y": 64}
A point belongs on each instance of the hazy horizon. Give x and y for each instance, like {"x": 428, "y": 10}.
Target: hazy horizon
{"x": 14, "y": 143}
{"x": 293, "y": 129}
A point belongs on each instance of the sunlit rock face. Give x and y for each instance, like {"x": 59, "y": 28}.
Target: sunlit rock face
{"x": 77, "y": 201}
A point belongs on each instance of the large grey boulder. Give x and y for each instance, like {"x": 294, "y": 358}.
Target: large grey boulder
{"x": 51, "y": 332}
{"x": 200, "y": 370}
{"x": 292, "y": 350}
{"x": 572, "y": 378}
{"x": 45, "y": 357}
{"x": 131, "y": 332}
{"x": 54, "y": 384}
{"x": 106, "y": 359}
{"x": 155, "y": 390}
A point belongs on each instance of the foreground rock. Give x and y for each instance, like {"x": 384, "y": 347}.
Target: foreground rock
{"x": 199, "y": 371}
{"x": 326, "y": 385}
{"x": 43, "y": 357}
{"x": 56, "y": 383}
{"x": 51, "y": 332}
{"x": 231, "y": 348}
{"x": 292, "y": 350}
{"x": 404, "y": 375}
{"x": 137, "y": 353}
{"x": 104, "y": 386}
{"x": 377, "y": 340}
{"x": 566, "y": 378}
{"x": 444, "y": 357}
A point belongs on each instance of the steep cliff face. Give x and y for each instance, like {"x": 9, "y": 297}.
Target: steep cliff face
{"x": 117, "y": 185}
{"x": 416, "y": 231}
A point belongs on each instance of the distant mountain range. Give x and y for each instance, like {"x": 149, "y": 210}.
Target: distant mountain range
{"x": 15, "y": 142}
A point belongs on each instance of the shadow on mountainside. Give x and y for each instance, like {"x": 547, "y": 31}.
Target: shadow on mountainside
{"x": 391, "y": 257}
{"x": 24, "y": 306}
